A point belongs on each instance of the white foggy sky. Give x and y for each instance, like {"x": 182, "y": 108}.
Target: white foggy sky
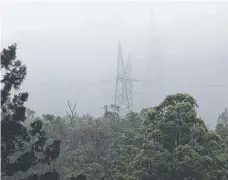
{"x": 41, "y": 15}
{"x": 69, "y": 46}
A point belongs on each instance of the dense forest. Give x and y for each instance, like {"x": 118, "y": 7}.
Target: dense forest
{"x": 166, "y": 142}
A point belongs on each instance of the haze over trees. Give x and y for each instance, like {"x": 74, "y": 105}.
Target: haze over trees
{"x": 165, "y": 142}
{"x": 181, "y": 45}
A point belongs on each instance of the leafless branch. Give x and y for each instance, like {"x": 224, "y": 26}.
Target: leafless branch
{"x": 72, "y": 113}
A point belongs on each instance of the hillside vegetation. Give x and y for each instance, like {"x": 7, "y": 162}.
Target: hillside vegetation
{"x": 166, "y": 142}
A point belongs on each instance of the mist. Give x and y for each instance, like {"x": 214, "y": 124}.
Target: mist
{"x": 69, "y": 47}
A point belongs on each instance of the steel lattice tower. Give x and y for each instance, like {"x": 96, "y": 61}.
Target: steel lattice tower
{"x": 123, "y": 91}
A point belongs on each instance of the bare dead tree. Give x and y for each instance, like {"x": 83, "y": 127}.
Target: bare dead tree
{"x": 71, "y": 114}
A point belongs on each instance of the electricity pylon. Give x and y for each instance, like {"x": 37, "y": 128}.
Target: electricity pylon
{"x": 123, "y": 91}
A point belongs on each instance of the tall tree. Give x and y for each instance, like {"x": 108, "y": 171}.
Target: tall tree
{"x": 178, "y": 144}
{"x": 20, "y": 144}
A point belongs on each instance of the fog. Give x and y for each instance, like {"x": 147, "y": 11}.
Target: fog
{"x": 69, "y": 47}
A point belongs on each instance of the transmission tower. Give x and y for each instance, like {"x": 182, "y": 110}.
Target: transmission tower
{"x": 123, "y": 91}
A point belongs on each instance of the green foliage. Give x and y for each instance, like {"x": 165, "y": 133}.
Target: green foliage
{"x": 179, "y": 145}
{"x": 166, "y": 142}
{"x": 222, "y": 125}
{"x": 20, "y": 143}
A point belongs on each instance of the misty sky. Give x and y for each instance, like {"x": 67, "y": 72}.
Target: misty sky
{"x": 69, "y": 47}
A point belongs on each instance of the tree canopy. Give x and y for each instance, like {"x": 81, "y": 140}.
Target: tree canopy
{"x": 166, "y": 142}
{"x": 20, "y": 144}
